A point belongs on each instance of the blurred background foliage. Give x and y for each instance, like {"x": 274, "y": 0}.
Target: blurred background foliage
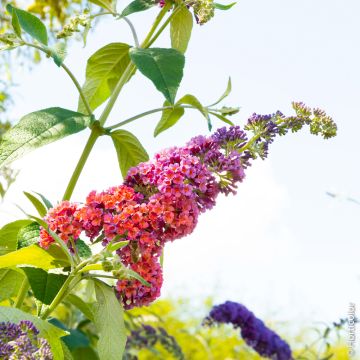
{"x": 173, "y": 329}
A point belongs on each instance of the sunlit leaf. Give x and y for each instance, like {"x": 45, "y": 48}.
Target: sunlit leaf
{"x": 41, "y": 209}
{"x": 169, "y": 118}
{"x": 104, "y": 69}
{"x": 9, "y": 235}
{"x": 38, "y": 129}
{"x": 180, "y": 29}
{"x": 35, "y": 256}
{"x": 129, "y": 150}
{"x": 109, "y": 321}
{"x": 223, "y": 7}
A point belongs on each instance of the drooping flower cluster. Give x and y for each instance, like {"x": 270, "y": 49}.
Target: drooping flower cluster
{"x": 161, "y": 199}
{"x": 21, "y": 341}
{"x": 147, "y": 337}
{"x": 254, "y": 332}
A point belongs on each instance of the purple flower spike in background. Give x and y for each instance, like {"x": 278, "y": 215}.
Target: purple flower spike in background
{"x": 254, "y": 332}
{"x": 20, "y": 341}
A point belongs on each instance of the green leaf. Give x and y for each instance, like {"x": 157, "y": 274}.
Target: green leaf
{"x": 83, "y": 249}
{"x": 9, "y": 235}
{"x": 193, "y": 101}
{"x": 135, "y": 275}
{"x": 29, "y": 23}
{"x": 169, "y": 118}
{"x": 41, "y": 209}
{"x": 10, "y": 283}
{"x": 109, "y": 322}
{"x": 35, "y": 256}
{"x": 113, "y": 246}
{"x": 225, "y": 94}
{"x": 15, "y": 24}
{"x": 47, "y": 203}
{"x": 223, "y": 7}
{"x": 28, "y": 235}
{"x": 164, "y": 67}
{"x": 104, "y": 69}
{"x": 137, "y": 6}
{"x": 180, "y": 29}
{"x": 222, "y": 118}
{"x": 129, "y": 150}
{"x": 81, "y": 305}
{"x": 85, "y": 354}
{"x": 40, "y": 128}
{"x": 45, "y": 286}
{"x": 106, "y": 4}
{"x": 50, "y": 332}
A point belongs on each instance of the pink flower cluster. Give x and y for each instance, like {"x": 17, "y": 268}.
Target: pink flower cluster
{"x": 160, "y": 201}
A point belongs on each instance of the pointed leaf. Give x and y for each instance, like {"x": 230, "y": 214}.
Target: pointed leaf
{"x": 193, "y": 101}
{"x": 180, "y": 29}
{"x": 50, "y": 332}
{"x": 29, "y": 23}
{"x": 47, "y": 203}
{"x": 223, "y": 7}
{"x": 109, "y": 321}
{"x": 106, "y": 4}
{"x": 35, "y": 256}
{"x": 41, "y": 209}
{"x": 28, "y": 235}
{"x": 44, "y": 286}
{"x": 40, "y": 128}
{"x": 9, "y": 236}
{"x": 222, "y": 118}
{"x": 104, "y": 69}
{"x": 169, "y": 118}
{"x": 129, "y": 150}
{"x": 225, "y": 94}
{"x": 15, "y": 24}
{"x": 164, "y": 67}
{"x": 137, "y": 6}
{"x": 135, "y": 275}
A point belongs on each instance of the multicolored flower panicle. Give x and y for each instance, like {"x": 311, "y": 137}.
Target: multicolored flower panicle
{"x": 101, "y": 210}
{"x": 21, "y": 341}
{"x": 175, "y": 173}
{"x": 254, "y": 332}
{"x": 132, "y": 292}
{"x": 62, "y": 221}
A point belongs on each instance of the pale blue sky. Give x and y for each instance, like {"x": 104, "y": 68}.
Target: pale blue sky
{"x": 281, "y": 246}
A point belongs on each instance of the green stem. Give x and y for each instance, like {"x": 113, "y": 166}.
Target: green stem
{"x": 164, "y": 25}
{"x": 133, "y": 31}
{"x": 63, "y": 292}
{"x": 123, "y": 80}
{"x": 80, "y": 165}
{"x": 71, "y": 75}
{"x": 149, "y": 112}
{"x": 156, "y": 23}
{"x": 22, "y": 293}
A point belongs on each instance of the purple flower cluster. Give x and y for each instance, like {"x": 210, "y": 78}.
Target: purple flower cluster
{"x": 254, "y": 332}
{"x": 21, "y": 341}
{"x": 147, "y": 337}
